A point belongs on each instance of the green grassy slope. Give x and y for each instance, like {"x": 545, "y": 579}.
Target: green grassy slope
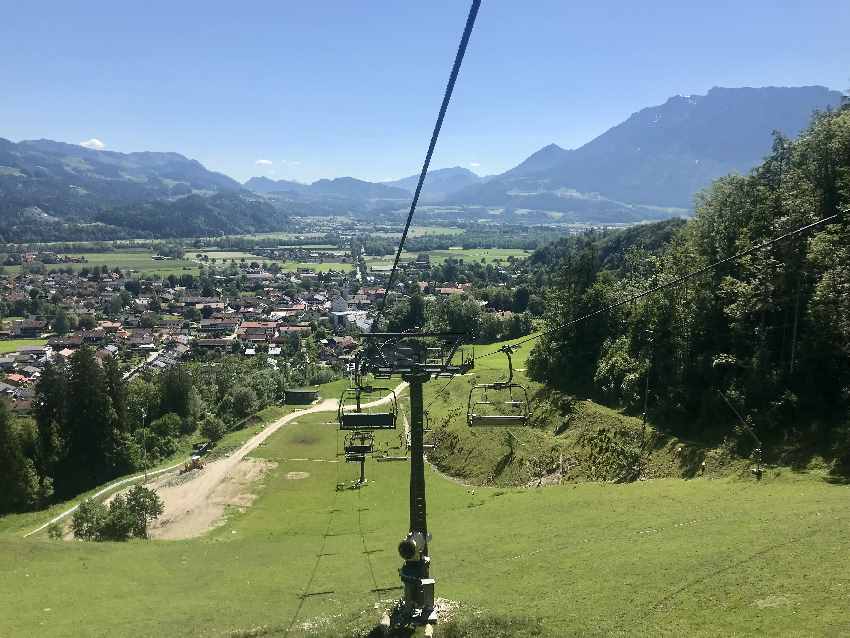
{"x": 662, "y": 558}
{"x": 572, "y": 440}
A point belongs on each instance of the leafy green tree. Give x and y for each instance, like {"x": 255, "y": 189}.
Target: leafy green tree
{"x": 49, "y": 411}
{"x": 88, "y": 520}
{"x": 212, "y": 428}
{"x": 175, "y": 390}
{"x": 243, "y": 402}
{"x": 61, "y": 323}
{"x": 89, "y": 421}
{"x": 144, "y": 505}
{"x": 17, "y": 472}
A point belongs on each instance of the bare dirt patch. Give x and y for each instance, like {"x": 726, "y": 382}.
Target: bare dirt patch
{"x": 296, "y": 476}
{"x": 187, "y": 516}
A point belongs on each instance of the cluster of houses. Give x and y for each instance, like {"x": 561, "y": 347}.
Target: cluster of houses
{"x": 155, "y": 322}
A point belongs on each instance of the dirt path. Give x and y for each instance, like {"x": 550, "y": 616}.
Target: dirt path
{"x": 195, "y": 505}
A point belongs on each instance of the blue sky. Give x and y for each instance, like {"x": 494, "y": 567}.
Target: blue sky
{"x": 323, "y": 89}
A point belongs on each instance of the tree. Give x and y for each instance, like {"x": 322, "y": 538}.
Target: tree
{"x": 243, "y": 402}
{"x": 175, "y": 389}
{"x": 212, "y": 428}
{"x": 521, "y": 298}
{"x": 144, "y": 505}
{"x": 88, "y": 520}
{"x": 61, "y": 323}
{"x": 162, "y": 435}
{"x": 125, "y": 516}
{"x": 119, "y": 521}
{"x": 17, "y": 472}
{"x": 89, "y": 420}
{"x": 49, "y": 408}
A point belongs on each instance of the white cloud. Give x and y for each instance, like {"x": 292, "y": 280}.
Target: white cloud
{"x": 475, "y": 164}
{"x": 94, "y": 143}
{"x": 263, "y": 162}
{"x": 290, "y": 162}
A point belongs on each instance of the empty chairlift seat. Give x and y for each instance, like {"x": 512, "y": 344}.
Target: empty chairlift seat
{"x": 358, "y": 444}
{"x": 354, "y": 412}
{"x": 499, "y": 404}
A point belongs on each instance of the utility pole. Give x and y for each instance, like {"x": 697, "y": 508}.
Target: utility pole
{"x": 145, "y": 444}
{"x": 646, "y": 384}
{"x": 415, "y": 573}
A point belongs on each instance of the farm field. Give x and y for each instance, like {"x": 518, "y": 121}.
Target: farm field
{"x": 139, "y": 260}
{"x": 489, "y": 255}
{"x": 419, "y": 231}
{"x": 12, "y": 345}
{"x": 287, "y": 266}
{"x": 664, "y": 558}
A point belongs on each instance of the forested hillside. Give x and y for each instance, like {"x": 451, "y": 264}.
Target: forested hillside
{"x": 769, "y": 331}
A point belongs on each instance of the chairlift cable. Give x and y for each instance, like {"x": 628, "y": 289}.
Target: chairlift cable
{"x": 470, "y": 22}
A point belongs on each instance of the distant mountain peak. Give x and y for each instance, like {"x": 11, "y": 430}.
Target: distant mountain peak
{"x": 662, "y": 155}
{"x": 438, "y": 182}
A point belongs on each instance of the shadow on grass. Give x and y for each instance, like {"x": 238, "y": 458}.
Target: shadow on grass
{"x": 480, "y": 627}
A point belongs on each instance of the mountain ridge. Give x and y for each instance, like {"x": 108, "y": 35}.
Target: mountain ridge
{"x": 662, "y": 155}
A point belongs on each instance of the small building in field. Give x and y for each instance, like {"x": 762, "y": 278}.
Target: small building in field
{"x": 300, "y": 396}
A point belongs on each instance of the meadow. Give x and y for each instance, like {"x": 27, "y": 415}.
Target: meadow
{"x": 13, "y": 345}
{"x": 488, "y": 255}
{"x": 139, "y": 260}
{"x": 703, "y": 557}
{"x": 221, "y": 257}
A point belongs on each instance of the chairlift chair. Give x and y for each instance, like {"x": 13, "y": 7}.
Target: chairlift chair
{"x": 353, "y": 415}
{"x": 499, "y": 404}
{"x": 358, "y": 444}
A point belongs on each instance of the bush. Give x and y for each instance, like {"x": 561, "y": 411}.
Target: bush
{"x": 119, "y": 521}
{"x": 126, "y": 517}
{"x": 144, "y": 505}
{"x": 55, "y": 531}
{"x": 212, "y": 428}
{"x": 88, "y": 520}
{"x": 243, "y": 402}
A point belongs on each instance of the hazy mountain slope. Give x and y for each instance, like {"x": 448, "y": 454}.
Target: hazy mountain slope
{"x": 52, "y": 190}
{"x": 341, "y": 187}
{"x": 663, "y": 155}
{"x": 356, "y": 189}
{"x": 438, "y": 183}
{"x": 266, "y": 185}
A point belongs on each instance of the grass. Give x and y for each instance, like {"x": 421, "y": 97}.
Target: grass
{"x": 13, "y": 345}
{"x": 703, "y": 558}
{"x": 286, "y": 266}
{"x": 138, "y": 259}
{"x": 664, "y": 557}
{"x": 489, "y": 255}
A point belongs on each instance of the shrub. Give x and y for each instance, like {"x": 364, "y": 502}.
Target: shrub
{"x": 89, "y": 518}
{"x": 212, "y": 428}
{"x": 126, "y": 517}
{"x": 55, "y": 531}
{"x": 243, "y": 402}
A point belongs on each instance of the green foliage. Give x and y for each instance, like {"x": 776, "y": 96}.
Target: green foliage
{"x": 89, "y": 519}
{"x": 769, "y": 329}
{"x": 212, "y": 428}
{"x": 18, "y": 477}
{"x": 243, "y": 401}
{"x": 55, "y": 531}
{"x": 125, "y": 517}
{"x": 161, "y": 437}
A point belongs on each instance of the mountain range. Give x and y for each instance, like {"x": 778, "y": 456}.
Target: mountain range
{"x": 660, "y": 156}
{"x": 648, "y": 167}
